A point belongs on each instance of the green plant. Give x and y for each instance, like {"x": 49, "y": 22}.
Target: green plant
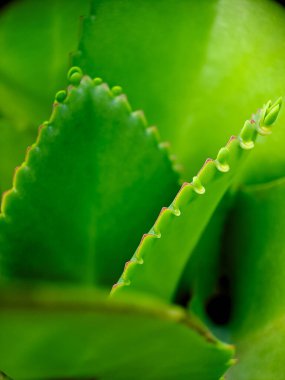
{"x": 85, "y": 200}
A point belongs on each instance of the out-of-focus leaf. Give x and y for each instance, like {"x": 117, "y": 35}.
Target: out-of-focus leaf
{"x": 257, "y": 252}
{"x": 36, "y": 38}
{"x": 73, "y": 334}
{"x": 197, "y": 68}
{"x": 153, "y": 49}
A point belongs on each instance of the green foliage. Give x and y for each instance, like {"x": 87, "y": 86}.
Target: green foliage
{"x": 64, "y": 333}
{"x": 80, "y": 177}
{"x": 85, "y": 199}
{"x": 258, "y": 323}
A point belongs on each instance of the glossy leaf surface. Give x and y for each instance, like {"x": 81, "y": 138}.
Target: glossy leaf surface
{"x": 90, "y": 185}
{"x": 195, "y": 67}
{"x": 163, "y": 253}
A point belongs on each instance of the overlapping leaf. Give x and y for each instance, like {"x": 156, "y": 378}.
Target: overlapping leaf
{"x": 157, "y": 62}
{"x": 163, "y": 253}
{"x": 90, "y": 186}
{"x": 73, "y": 334}
{"x": 36, "y": 38}
{"x": 195, "y": 67}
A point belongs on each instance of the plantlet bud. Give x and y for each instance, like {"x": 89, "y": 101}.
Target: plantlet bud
{"x": 272, "y": 115}
{"x": 117, "y": 90}
{"x": 268, "y": 116}
{"x": 222, "y": 160}
{"x": 74, "y": 75}
{"x": 60, "y": 96}
{"x": 97, "y": 81}
{"x": 197, "y": 185}
{"x": 139, "y": 114}
{"x": 154, "y": 132}
{"x": 247, "y": 135}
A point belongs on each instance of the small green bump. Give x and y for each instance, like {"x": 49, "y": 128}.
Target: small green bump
{"x": 117, "y": 90}
{"x": 222, "y": 160}
{"x": 97, "y": 81}
{"x": 247, "y": 135}
{"x": 74, "y": 70}
{"x": 165, "y": 146}
{"x": 197, "y": 185}
{"x": 126, "y": 281}
{"x": 155, "y": 232}
{"x": 175, "y": 210}
{"x": 75, "y": 79}
{"x": 75, "y": 75}
{"x": 60, "y": 96}
{"x": 139, "y": 260}
{"x": 139, "y": 114}
{"x": 153, "y": 131}
{"x": 232, "y": 362}
{"x": 122, "y": 100}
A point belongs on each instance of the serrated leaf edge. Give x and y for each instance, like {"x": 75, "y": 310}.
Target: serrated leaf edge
{"x": 240, "y": 144}
{"x": 46, "y": 130}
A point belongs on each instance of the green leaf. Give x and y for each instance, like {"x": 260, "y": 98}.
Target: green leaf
{"x": 35, "y": 40}
{"x": 157, "y": 61}
{"x": 90, "y": 186}
{"x": 68, "y": 333}
{"x": 13, "y": 144}
{"x": 163, "y": 253}
{"x": 195, "y": 67}
{"x": 257, "y": 252}
{"x": 243, "y": 66}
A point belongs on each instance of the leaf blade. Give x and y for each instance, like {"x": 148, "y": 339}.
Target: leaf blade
{"x": 105, "y": 336}
{"x": 71, "y": 216}
{"x": 257, "y": 273}
{"x": 163, "y": 253}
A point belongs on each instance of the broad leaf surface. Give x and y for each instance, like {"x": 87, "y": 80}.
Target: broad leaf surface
{"x": 195, "y": 67}
{"x": 257, "y": 253}
{"x": 163, "y": 253}
{"x": 90, "y": 186}
{"x": 157, "y": 61}
{"x": 73, "y": 334}
{"x": 36, "y": 38}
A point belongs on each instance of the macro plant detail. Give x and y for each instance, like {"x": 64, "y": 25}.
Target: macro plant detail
{"x": 118, "y": 258}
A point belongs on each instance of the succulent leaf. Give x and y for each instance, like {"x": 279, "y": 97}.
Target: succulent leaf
{"x": 163, "y": 253}
{"x": 69, "y": 333}
{"x": 209, "y": 68}
{"x": 256, "y": 252}
{"x": 79, "y": 203}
